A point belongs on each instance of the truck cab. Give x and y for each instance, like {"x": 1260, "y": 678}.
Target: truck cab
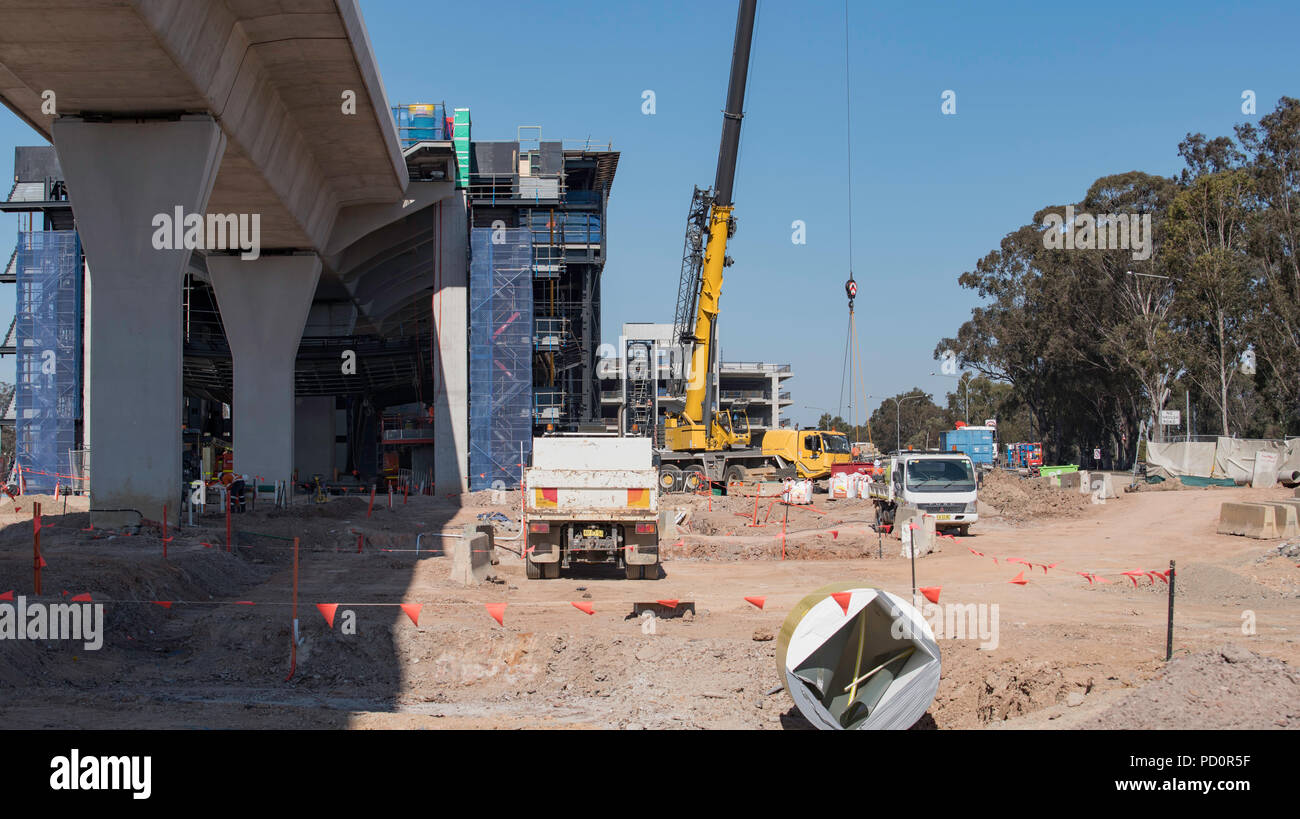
{"x": 942, "y": 484}
{"x": 812, "y": 452}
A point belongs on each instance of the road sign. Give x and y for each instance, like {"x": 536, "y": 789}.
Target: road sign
{"x": 1170, "y": 418}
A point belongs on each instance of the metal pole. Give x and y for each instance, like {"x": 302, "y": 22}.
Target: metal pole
{"x": 898, "y": 421}
{"x": 1169, "y": 631}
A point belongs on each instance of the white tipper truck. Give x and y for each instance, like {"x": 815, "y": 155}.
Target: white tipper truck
{"x": 592, "y": 499}
{"x": 942, "y": 484}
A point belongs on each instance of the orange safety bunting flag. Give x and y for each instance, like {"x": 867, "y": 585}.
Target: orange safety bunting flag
{"x": 81, "y": 598}
{"x": 327, "y": 611}
{"x": 412, "y": 610}
{"x": 672, "y": 604}
{"x": 497, "y": 610}
{"x": 1019, "y": 579}
{"x": 931, "y": 593}
{"x": 756, "y": 601}
{"x": 583, "y": 607}
{"x": 164, "y": 603}
{"x": 9, "y": 595}
{"x": 843, "y": 599}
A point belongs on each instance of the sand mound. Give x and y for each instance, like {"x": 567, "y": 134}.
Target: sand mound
{"x": 1015, "y": 499}
{"x": 1230, "y": 687}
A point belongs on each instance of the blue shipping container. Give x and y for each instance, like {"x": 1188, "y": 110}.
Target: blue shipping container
{"x": 976, "y": 443}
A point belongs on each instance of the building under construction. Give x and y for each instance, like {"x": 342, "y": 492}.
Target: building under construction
{"x": 472, "y": 322}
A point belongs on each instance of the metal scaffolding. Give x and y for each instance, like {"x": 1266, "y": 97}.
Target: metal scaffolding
{"x": 48, "y": 329}
{"x": 500, "y": 359}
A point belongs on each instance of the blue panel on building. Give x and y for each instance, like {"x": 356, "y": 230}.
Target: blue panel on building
{"x": 500, "y": 356}
{"x": 47, "y": 332}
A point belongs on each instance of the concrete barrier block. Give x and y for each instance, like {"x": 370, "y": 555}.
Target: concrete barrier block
{"x": 1101, "y": 485}
{"x": 1248, "y": 520}
{"x": 491, "y": 532}
{"x": 471, "y": 559}
{"x": 902, "y": 514}
{"x": 918, "y": 535}
{"x": 1286, "y": 517}
{"x": 1076, "y": 482}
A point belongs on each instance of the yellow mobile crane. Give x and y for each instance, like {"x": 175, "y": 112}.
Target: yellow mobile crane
{"x": 702, "y": 444}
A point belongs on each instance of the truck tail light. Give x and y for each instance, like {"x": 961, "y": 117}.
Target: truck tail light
{"x": 539, "y": 528}
{"x": 645, "y": 528}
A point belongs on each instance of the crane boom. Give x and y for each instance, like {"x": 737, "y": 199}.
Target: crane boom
{"x": 693, "y": 428}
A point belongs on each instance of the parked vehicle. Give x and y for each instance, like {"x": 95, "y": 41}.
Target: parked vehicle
{"x": 939, "y": 483}
{"x": 594, "y": 500}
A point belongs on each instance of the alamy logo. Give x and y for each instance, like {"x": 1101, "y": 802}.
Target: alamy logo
{"x": 952, "y": 621}
{"x": 220, "y": 231}
{"x": 75, "y": 772}
{"x": 56, "y": 621}
{"x": 1106, "y": 231}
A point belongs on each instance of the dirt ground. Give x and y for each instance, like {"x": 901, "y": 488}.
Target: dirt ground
{"x": 1068, "y": 653}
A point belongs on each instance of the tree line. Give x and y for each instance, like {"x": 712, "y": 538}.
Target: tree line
{"x": 1149, "y": 293}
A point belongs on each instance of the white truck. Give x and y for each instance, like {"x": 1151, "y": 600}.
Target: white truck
{"x": 942, "y": 484}
{"x": 592, "y": 499}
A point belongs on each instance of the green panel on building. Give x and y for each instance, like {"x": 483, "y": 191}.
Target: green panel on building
{"x": 460, "y": 139}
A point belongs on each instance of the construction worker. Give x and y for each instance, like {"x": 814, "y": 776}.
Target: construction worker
{"x": 237, "y": 487}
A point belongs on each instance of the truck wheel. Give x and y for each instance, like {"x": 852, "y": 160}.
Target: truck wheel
{"x": 550, "y": 571}
{"x": 650, "y": 572}
{"x": 533, "y": 570}
{"x": 736, "y": 474}
{"x": 670, "y": 479}
{"x": 964, "y": 531}
{"x": 633, "y": 572}
{"x": 694, "y": 479}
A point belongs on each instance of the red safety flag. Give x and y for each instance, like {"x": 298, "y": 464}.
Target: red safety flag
{"x": 835, "y": 535}
{"x": 9, "y": 595}
{"x": 412, "y": 610}
{"x": 327, "y": 610}
{"x": 583, "y": 607}
{"x": 931, "y": 593}
{"x": 43, "y": 563}
{"x": 756, "y": 601}
{"x": 245, "y": 603}
{"x": 81, "y": 598}
{"x": 843, "y": 599}
{"x": 1019, "y": 579}
{"x": 497, "y": 610}
{"x": 1162, "y": 576}
{"x": 680, "y": 543}
{"x": 972, "y": 551}
{"x": 164, "y": 603}
{"x": 889, "y": 527}
{"x": 672, "y": 604}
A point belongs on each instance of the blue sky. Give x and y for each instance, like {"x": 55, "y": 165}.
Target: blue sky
{"x": 1049, "y": 97}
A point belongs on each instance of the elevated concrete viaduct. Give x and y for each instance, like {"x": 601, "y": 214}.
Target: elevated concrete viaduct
{"x": 246, "y": 108}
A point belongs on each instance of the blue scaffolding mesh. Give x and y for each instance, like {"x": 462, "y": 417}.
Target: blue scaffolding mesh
{"x": 500, "y": 355}
{"x": 48, "y": 338}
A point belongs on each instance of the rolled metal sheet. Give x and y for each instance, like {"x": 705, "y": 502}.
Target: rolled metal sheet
{"x": 874, "y": 666}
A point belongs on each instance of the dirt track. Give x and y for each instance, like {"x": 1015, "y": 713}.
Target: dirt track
{"x": 206, "y": 662}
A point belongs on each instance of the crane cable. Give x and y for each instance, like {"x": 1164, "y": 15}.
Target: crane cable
{"x": 852, "y": 360}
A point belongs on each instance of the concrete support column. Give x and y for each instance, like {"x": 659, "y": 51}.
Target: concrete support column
{"x": 451, "y": 322}
{"x": 264, "y": 304}
{"x": 121, "y": 175}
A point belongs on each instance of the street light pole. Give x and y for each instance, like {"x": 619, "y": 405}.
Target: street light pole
{"x": 898, "y": 409}
{"x": 966, "y": 381}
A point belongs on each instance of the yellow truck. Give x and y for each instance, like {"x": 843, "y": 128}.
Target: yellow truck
{"x": 781, "y": 454}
